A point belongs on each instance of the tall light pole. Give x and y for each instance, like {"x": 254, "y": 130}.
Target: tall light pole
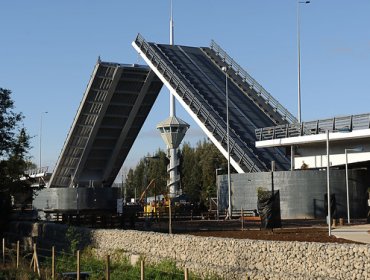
{"x": 124, "y": 185}
{"x": 328, "y": 179}
{"x": 299, "y": 58}
{"x": 40, "y": 148}
{"x": 359, "y": 149}
{"x": 218, "y": 194}
{"x": 228, "y": 142}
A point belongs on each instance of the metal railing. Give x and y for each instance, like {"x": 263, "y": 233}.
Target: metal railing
{"x": 36, "y": 171}
{"x": 337, "y": 124}
{"x": 192, "y": 101}
{"x": 253, "y": 83}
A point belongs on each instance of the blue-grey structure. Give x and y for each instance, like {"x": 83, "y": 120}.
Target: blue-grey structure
{"x": 302, "y": 192}
{"x": 76, "y": 199}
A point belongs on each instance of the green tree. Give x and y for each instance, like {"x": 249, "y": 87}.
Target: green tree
{"x": 156, "y": 168}
{"x": 150, "y": 167}
{"x": 197, "y": 169}
{"x": 14, "y": 166}
{"x": 9, "y": 122}
{"x": 14, "y": 145}
{"x": 191, "y": 173}
{"x": 129, "y": 184}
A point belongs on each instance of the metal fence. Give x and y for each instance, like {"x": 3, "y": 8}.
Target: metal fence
{"x": 338, "y": 124}
{"x": 253, "y": 83}
{"x": 48, "y": 263}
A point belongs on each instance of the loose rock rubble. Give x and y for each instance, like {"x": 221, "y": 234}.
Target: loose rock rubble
{"x": 226, "y": 257}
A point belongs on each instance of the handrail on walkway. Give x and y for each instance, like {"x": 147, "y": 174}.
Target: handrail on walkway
{"x": 253, "y": 83}
{"x": 336, "y": 124}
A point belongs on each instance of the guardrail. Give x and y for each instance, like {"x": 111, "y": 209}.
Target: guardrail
{"x": 253, "y": 83}
{"x": 338, "y": 124}
{"x": 36, "y": 171}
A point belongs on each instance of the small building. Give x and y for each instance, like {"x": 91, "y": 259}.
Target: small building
{"x": 341, "y": 142}
{"x": 302, "y": 192}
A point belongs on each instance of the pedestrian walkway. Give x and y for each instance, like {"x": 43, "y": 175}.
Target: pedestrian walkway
{"x": 358, "y": 233}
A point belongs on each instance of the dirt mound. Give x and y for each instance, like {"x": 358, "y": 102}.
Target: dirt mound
{"x": 289, "y": 234}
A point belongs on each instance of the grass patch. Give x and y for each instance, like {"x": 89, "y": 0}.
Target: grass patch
{"x": 120, "y": 269}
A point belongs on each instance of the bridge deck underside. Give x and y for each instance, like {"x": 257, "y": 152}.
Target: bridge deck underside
{"x": 111, "y": 114}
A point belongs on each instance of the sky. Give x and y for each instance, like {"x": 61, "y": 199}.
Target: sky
{"x": 49, "y": 48}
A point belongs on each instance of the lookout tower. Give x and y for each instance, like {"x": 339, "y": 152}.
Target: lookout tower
{"x": 173, "y": 131}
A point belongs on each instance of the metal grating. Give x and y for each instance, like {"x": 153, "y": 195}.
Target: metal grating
{"x": 257, "y": 93}
{"x": 199, "y": 83}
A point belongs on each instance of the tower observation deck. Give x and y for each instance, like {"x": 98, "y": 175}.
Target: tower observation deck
{"x": 195, "y": 76}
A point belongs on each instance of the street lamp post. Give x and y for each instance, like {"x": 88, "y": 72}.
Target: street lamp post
{"x": 328, "y": 180}
{"x": 124, "y": 187}
{"x": 299, "y": 58}
{"x": 228, "y": 142}
{"x": 218, "y": 194}
{"x": 359, "y": 149}
{"x": 40, "y": 148}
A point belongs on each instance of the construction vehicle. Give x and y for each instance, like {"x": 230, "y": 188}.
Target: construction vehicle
{"x": 159, "y": 203}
